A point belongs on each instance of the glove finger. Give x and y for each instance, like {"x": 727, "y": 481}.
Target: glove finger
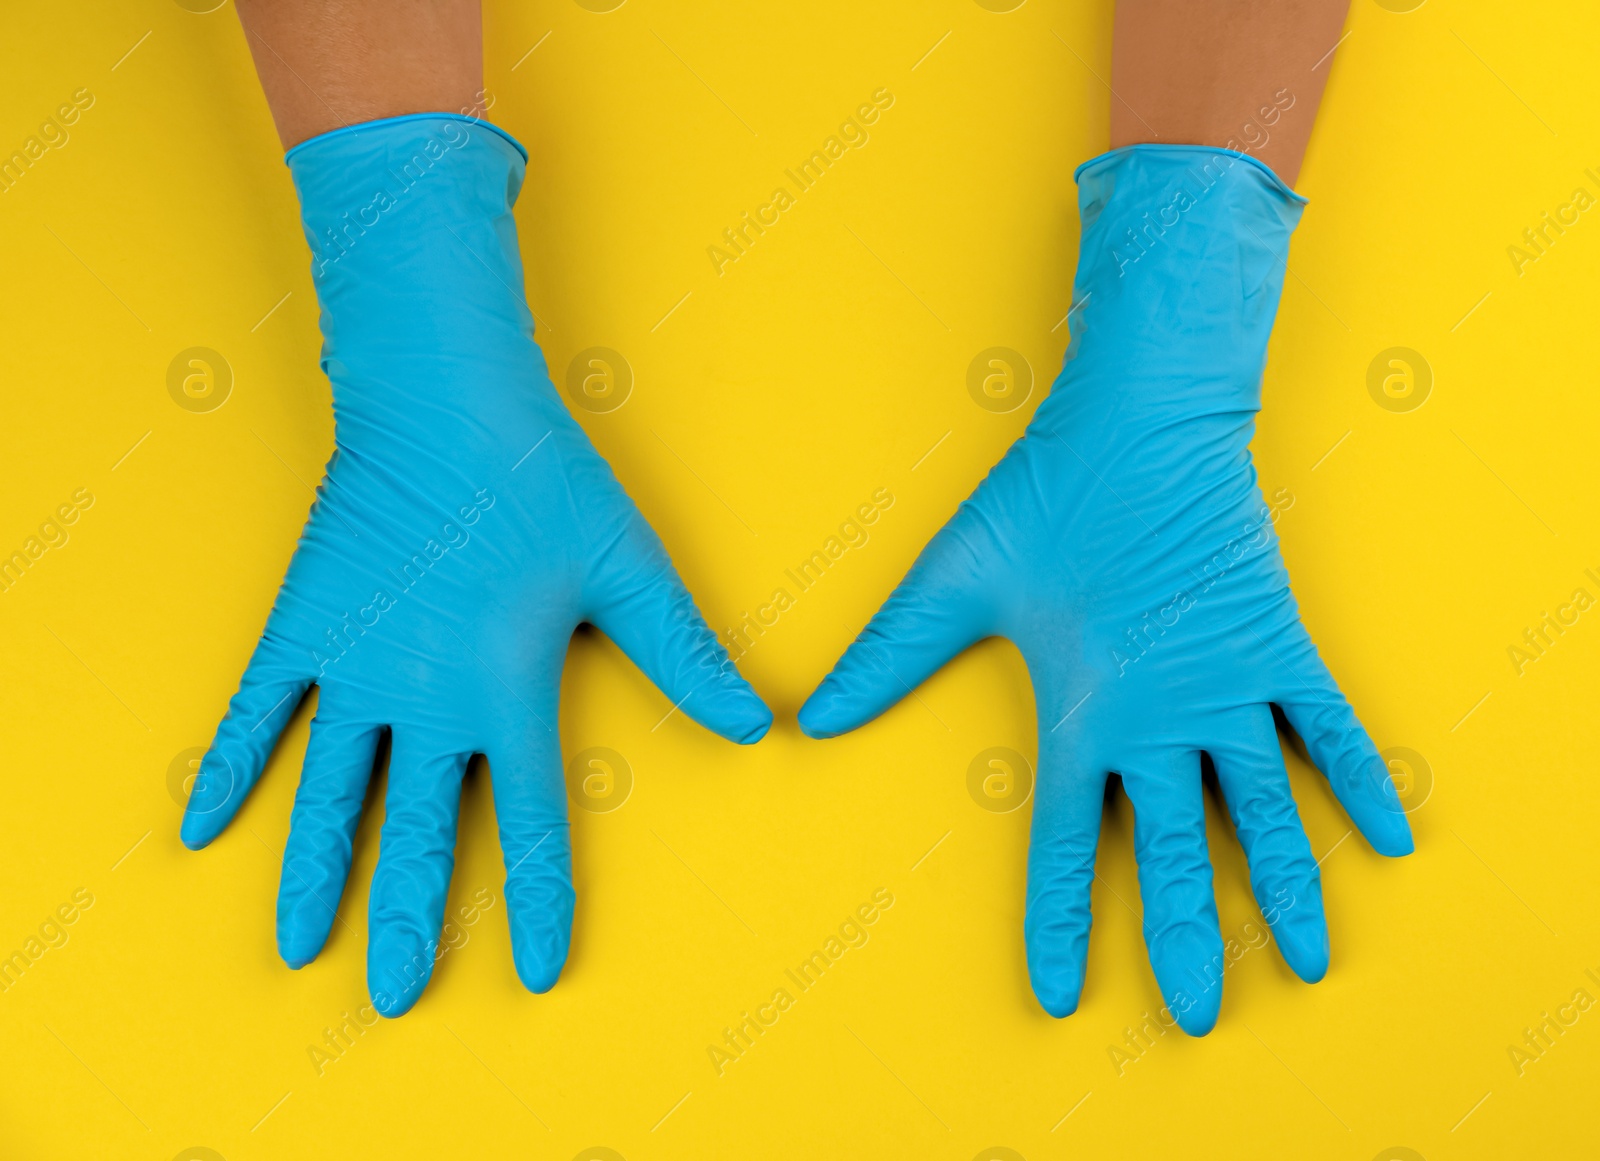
{"x": 642, "y": 605}
{"x": 1341, "y": 749}
{"x": 327, "y": 809}
{"x": 531, "y": 811}
{"x": 1180, "y": 910}
{"x": 941, "y": 607}
{"x": 416, "y": 856}
{"x": 269, "y": 693}
{"x": 1283, "y": 873}
{"x": 1068, "y": 803}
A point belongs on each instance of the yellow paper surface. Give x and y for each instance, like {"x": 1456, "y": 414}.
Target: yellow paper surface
{"x": 772, "y": 395}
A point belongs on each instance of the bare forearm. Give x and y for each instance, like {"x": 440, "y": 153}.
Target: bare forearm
{"x": 328, "y": 63}
{"x": 1242, "y": 74}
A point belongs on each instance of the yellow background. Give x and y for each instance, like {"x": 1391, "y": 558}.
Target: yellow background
{"x": 774, "y": 399}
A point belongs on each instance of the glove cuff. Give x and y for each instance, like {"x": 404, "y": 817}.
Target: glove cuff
{"x": 1170, "y": 206}
{"x": 364, "y": 187}
{"x": 415, "y": 258}
{"x": 1180, "y": 269}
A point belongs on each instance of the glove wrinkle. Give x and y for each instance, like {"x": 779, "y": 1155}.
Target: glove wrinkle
{"x": 1138, "y": 571}
{"x": 454, "y": 543}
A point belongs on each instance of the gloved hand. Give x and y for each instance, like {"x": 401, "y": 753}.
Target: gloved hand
{"x": 464, "y": 528}
{"x": 1124, "y": 546}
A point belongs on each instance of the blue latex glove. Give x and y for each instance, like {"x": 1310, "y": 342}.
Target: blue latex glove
{"x": 464, "y": 528}
{"x": 1124, "y": 546}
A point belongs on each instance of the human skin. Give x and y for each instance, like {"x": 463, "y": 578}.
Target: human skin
{"x": 1181, "y": 72}
{"x": 1208, "y": 73}
{"x": 325, "y": 64}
